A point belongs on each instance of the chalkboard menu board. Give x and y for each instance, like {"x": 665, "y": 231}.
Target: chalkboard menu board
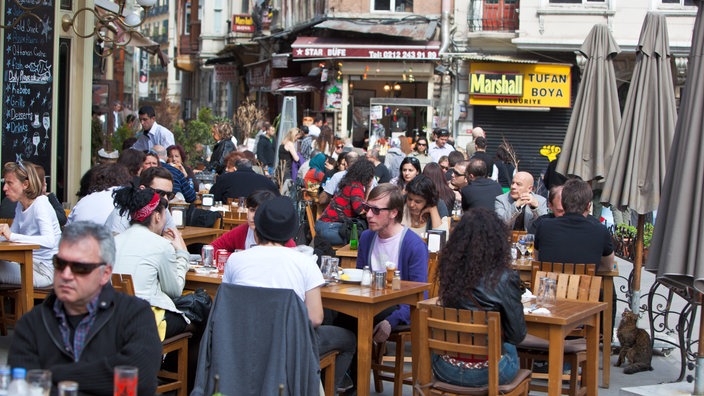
{"x": 27, "y": 80}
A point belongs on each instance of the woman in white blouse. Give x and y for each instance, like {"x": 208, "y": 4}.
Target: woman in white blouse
{"x": 35, "y": 222}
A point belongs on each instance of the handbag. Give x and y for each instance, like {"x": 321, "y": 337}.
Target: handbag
{"x": 346, "y": 230}
{"x": 196, "y": 306}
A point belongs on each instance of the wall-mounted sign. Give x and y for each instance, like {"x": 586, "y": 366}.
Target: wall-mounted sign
{"x": 224, "y": 73}
{"x": 319, "y": 47}
{"x": 520, "y": 85}
{"x": 27, "y": 82}
{"x": 242, "y": 23}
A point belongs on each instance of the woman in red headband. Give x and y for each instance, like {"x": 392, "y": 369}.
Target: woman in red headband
{"x": 158, "y": 264}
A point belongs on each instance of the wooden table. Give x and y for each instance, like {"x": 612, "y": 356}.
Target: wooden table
{"x": 203, "y": 235}
{"x": 564, "y": 316}
{"x": 363, "y": 303}
{"x": 22, "y": 254}
{"x": 348, "y": 257}
{"x": 524, "y": 268}
{"x": 209, "y": 282}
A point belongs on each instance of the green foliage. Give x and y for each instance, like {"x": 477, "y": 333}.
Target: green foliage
{"x": 123, "y": 133}
{"x": 626, "y": 231}
{"x": 195, "y": 135}
{"x": 647, "y": 234}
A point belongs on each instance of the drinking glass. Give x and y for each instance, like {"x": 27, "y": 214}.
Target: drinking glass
{"x": 529, "y": 239}
{"x": 68, "y": 388}
{"x": 125, "y": 381}
{"x": 548, "y": 294}
{"x": 334, "y": 264}
{"x": 521, "y": 245}
{"x": 325, "y": 267}
{"x": 540, "y": 291}
{"x": 39, "y": 382}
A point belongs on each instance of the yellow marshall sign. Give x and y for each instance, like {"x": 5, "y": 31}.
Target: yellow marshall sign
{"x": 521, "y": 85}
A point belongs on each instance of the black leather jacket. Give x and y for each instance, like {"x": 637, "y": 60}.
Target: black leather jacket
{"x": 505, "y": 297}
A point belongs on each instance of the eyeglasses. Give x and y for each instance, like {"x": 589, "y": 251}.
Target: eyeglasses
{"x": 443, "y": 132}
{"x": 421, "y": 144}
{"x": 412, "y": 160}
{"x": 76, "y": 268}
{"x": 444, "y": 168}
{"x": 373, "y": 209}
{"x": 457, "y": 174}
{"x": 169, "y": 195}
{"x": 340, "y": 146}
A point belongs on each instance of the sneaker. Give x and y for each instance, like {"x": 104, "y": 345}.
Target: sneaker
{"x": 346, "y": 384}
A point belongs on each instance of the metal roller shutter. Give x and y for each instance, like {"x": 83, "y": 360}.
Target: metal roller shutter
{"x": 526, "y": 131}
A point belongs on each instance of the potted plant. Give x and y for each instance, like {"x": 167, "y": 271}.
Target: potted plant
{"x": 624, "y": 238}
{"x": 647, "y": 239}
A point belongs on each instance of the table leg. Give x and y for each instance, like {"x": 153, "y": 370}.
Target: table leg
{"x": 365, "y": 326}
{"x": 608, "y": 284}
{"x": 555, "y": 360}
{"x": 26, "y": 282}
{"x": 592, "y": 335}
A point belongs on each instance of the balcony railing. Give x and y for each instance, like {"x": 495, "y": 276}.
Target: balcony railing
{"x": 156, "y": 69}
{"x": 493, "y": 16}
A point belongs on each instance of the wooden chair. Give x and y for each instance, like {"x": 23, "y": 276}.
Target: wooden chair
{"x": 175, "y": 380}
{"x": 571, "y": 287}
{"x": 12, "y": 292}
{"x": 400, "y": 336}
{"x": 327, "y": 365}
{"x": 566, "y": 268}
{"x": 459, "y": 332}
{"x": 311, "y": 220}
{"x": 6, "y": 221}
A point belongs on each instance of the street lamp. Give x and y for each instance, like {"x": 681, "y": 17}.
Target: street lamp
{"x": 115, "y": 22}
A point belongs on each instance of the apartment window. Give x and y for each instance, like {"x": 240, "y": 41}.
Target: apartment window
{"x": 187, "y": 19}
{"x": 245, "y": 7}
{"x": 679, "y": 2}
{"x": 217, "y": 17}
{"x": 392, "y": 5}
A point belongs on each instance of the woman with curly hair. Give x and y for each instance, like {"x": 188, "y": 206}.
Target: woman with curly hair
{"x": 158, "y": 264}
{"x": 423, "y": 211}
{"x": 347, "y": 202}
{"x": 445, "y": 193}
{"x": 222, "y": 133}
{"x": 475, "y": 273}
{"x": 408, "y": 170}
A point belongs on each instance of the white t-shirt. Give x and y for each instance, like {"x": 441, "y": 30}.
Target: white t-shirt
{"x": 95, "y": 207}
{"x": 385, "y": 250}
{"x": 275, "y": 267}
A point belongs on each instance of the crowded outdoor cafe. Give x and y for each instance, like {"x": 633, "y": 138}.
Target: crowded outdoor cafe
{"x": 470, "y": 296}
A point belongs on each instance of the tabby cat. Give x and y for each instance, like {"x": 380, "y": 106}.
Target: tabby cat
{"x": 635, "y": 345}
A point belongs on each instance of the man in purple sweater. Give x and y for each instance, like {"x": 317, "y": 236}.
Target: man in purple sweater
{"x": 388, "y": 240}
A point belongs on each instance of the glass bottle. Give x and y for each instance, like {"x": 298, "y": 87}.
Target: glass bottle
{"x": 396, "y": 281}
{"x": 366, "y": 276}
{"x": 354, "y": 238}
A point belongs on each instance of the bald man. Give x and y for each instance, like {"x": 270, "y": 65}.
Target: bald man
{"x": 520, "y": 206}
{"x": 471, "y": 147}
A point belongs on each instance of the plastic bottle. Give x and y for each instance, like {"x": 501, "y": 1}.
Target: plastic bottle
{"x": 5, "y": 378}
{"x": 18, "y": 386}
{"x": 354, "y": 238}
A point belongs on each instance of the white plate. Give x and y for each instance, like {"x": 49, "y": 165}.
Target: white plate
{"x": 354, "y": 274}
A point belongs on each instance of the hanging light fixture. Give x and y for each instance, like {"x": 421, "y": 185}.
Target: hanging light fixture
{"x": 115, "y": 22}
{"x": 397, "y": 87}
{"x": 387, "y": 87}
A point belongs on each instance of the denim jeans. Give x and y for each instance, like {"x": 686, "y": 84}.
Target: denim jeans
{"x": 332, "y": 338}
{"x": 330, "y": 231}
{"x": 508, "y": 367}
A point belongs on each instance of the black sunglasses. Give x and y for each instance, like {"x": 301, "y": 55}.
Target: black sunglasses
{"x": 458, "y": 174}
{"x": 76, "y": 268}
{"x": 373, "y": 209}
{"x": 421, "y": 144}
{"x": 169, "y": 195}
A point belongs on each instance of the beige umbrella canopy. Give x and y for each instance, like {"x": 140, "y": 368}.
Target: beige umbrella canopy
{"x": 591, "y": 133}
{"x": 637, "y": 170}
{"x": 678, "y": 239}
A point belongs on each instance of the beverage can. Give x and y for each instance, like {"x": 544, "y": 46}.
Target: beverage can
{"x": 221, "y": 257}
{"x": 207, "y": 254}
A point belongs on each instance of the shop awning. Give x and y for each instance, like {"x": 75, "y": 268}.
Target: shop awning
{"x": 414, "y": 29}
{"x": 185, "y": 63}
{"x": 236, "y": 53}
{"x": 296, "y": 84}
{"x": 326, "y": 48}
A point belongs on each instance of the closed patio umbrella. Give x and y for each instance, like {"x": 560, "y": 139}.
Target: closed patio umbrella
{"x": 637, "y": 170}
{"x": 591, "y": 133}
{"x": 678, "y": 238}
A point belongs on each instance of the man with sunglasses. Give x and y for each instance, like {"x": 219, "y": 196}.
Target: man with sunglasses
{"x": 158, "y": 179}
{"x": 387, "y": 240}
{"x": 84, "y": 329}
